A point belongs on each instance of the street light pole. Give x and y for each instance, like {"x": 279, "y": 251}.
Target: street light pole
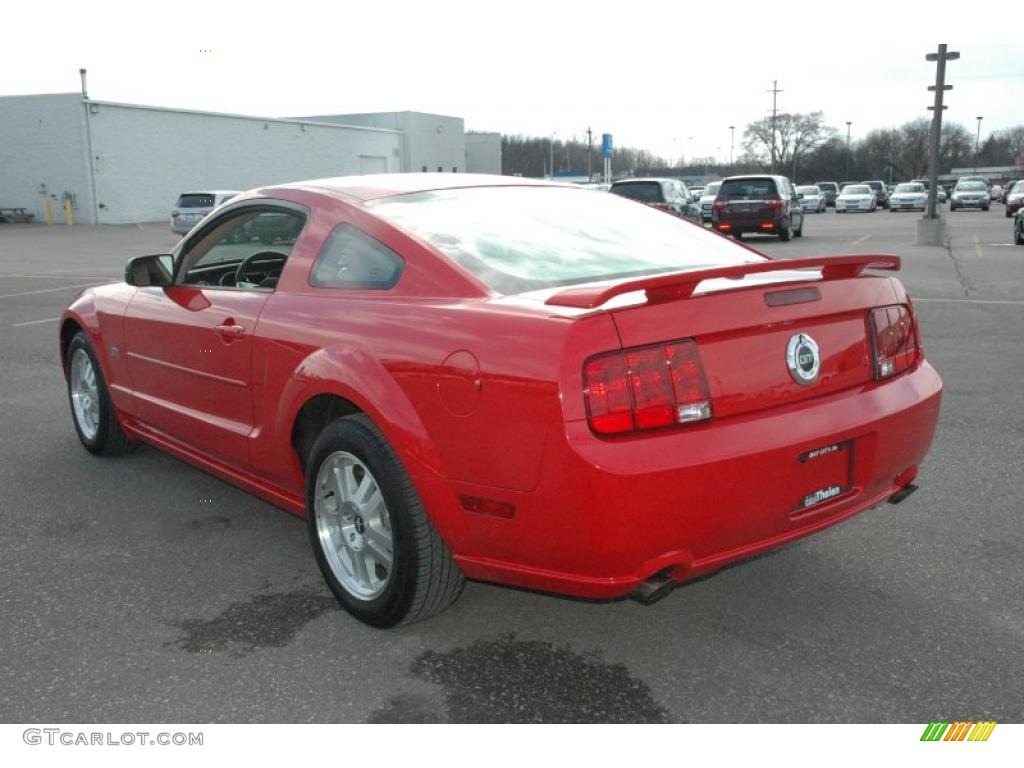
{"x": 732, "y": 140}
{"x": 940, "y": 58}
{"x": 977, "y": 143}
{"x": 590, "y": 151}
{"x": 848, "y": 124}
{"x": 551, "y": 153}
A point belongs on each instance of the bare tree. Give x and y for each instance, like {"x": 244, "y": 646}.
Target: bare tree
{"x": 795, "y": 136}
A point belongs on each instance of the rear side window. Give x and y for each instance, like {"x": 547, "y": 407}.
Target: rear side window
{"x": 749, "y": 189}
{"x": 645, "y": 192}
{"x": 352, "y": 259}
{"x": 195, "y": 201}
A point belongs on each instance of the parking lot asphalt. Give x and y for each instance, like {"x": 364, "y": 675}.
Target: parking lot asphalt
{"x": 140, "y": 589}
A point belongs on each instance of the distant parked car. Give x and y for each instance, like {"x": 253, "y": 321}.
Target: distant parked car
{"x": 856, "y": 197}
{"x": 707, "y": 200}
{"x": 996, "y": 193}
{"x": 813, "y": 200}
{"x": 878, "y": 187}
{"x": 669, "y": 195}
{"x": 1018, "y": 228}
{"x": 1014, "y": 197}
{"x": 766, "y": 205}
{"x": 830, "y": 190}
{"x": 193, "y": 207}
{"x": 908, "y": 197}
{"x": 970, "y": 194}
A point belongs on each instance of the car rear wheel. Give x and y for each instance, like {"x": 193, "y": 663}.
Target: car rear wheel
{"x": 786, "y": 233}
{"x": 373, "y": 541}
{"x": 1018, "y": 236}
{"x": 91, "y": 408}
{"x": 799, "y": 232}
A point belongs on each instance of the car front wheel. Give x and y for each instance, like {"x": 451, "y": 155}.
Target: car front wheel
{"x": 373, "y": 541}
{"x": 91, "y": 408}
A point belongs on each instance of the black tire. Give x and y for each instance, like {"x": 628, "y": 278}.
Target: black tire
{"x": 109, "y": 439}
{"x": 1008, "y": 214}
{"x": 1018, "y": 238}
{"x": 424, "y": 579}
{"x": 786, "y": 233}
{"x": 738, "y": 235}
{"x": 799, "y": 232}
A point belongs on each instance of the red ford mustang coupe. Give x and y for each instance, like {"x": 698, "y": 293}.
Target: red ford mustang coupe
{"x": 456, "y": 376}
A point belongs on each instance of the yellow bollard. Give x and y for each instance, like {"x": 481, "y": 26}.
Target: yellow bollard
{"x": 49, "y": 211}
{"x": 69, "y": 216}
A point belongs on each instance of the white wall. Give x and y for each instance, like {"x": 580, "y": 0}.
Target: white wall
{"x": 434, "y": 141}
{"x": 483, "y": 153}
{"x": 42, "y": 141}
{"x": 144, "y": 157}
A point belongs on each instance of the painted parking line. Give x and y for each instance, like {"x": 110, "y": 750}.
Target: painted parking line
{"x": 977, "y": 247}
{"x": 918, "y": 300}
{"x": 35, "y": 322}
{"x": 28, "y": 276}
{"x": 861, "y": 240}
{"x": 48, "y": 290}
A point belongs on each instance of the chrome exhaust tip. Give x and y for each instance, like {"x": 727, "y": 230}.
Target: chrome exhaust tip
{"x": 653, "y": 589}
{"x": 902, "y": 493}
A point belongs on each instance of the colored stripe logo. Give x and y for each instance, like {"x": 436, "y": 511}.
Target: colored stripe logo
{"x": 959, "y": 731}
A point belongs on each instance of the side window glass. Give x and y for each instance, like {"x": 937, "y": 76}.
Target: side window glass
{"x": 245, "y": 250}
{"x": 354, "y": 260}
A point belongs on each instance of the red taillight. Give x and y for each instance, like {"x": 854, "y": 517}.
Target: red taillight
{"x": 662, "y": 206}
{"x": 175, "y": 214}
{"x": 646, "y": 388}
{"x": 774, "y": 204}
{"x": 894, "y": 340}
{"x": 719, "y": 204}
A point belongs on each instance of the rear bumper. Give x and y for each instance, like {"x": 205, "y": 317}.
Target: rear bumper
{"x": 609, "y": 514}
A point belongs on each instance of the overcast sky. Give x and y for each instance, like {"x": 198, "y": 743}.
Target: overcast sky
{"x": 667, "y": 76}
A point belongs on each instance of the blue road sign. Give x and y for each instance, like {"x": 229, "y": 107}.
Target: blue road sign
{"x": 606, "y": 145}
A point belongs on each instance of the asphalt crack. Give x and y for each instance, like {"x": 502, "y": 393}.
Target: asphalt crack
{"x": 962, "y": 278}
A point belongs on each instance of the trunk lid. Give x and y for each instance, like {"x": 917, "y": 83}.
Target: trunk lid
{"x": 744, "y": 335}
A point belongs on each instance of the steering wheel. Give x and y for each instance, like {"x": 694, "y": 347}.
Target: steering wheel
{"x": 242, "y": 273}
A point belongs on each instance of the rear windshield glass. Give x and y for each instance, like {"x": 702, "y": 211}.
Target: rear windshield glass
{"x": 196, "y": 200}
{"x": 910, "y": 188}
{"x": 712, "y": 189}
{"x": 749, "y": 189}
{"x": 808, "y": 190}
{"x": 857, "y": 189}
{"x": 873, "y": 184}
{"x": 646, "y": 191}
{"x": 517, "y": 239}
{"x": 971, "y": 186}
{"x": 828, "y": 185}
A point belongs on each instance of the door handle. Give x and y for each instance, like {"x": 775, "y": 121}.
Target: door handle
{"x": 229, "y": 331}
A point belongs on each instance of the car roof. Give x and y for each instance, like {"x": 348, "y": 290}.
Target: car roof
{"x": 646, "y": 179}
{"x": 374, "y": 186}
{"x": 213, "y": 192}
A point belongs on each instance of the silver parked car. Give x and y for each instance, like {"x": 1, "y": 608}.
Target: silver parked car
{"x": 970, "y": 194}
{"x": 908, "y": 197}
{"x": 669, "y": 195}
{"x": 707, "y": 200}
{"x": 856, "y": 197}
{"x": 813, "y": 199}
{"x": 193, "y": 207}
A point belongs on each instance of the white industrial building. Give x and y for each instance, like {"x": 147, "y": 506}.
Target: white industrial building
{"x": 126, "y": 163}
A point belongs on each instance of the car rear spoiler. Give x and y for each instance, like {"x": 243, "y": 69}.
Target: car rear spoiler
{"x": 681, "y": 285}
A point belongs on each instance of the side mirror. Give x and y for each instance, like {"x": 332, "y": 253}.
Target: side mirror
{"x": 157, "y": 269}
{"x": 799, "y": 195}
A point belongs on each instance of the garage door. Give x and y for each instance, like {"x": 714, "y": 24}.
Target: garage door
{"x": 373, "y": 164}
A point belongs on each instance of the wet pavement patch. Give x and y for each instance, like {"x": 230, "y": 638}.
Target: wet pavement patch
{"x": 212, "y": 523}
{"x": 526, "y": 681}
{"x": 266, "y": 621}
